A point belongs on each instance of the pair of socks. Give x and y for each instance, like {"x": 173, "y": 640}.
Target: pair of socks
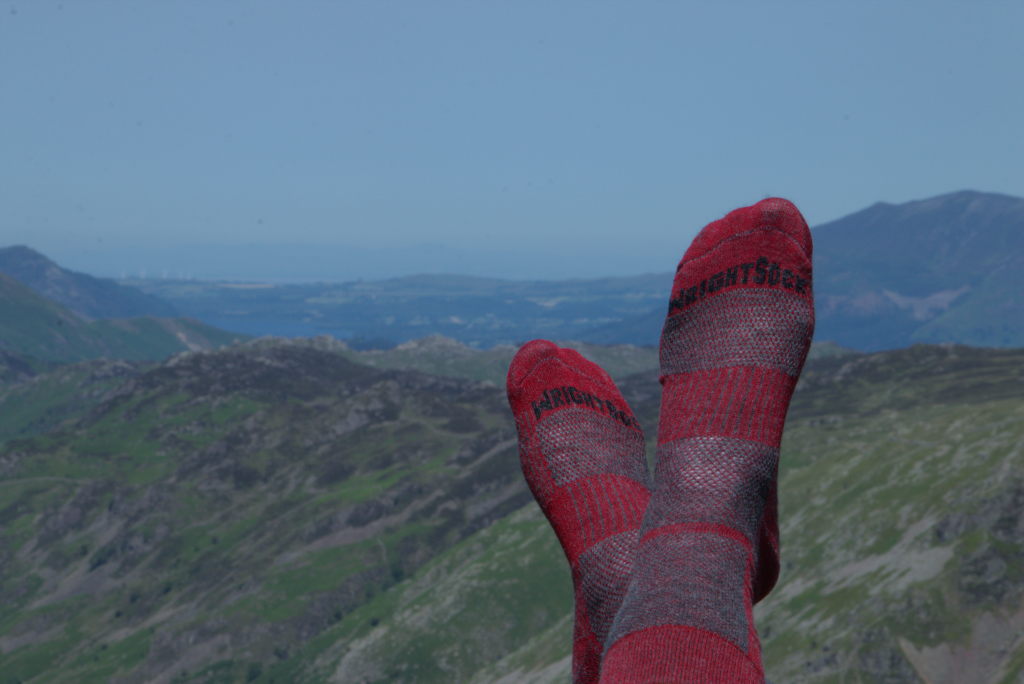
{"x": 666, "y": 573}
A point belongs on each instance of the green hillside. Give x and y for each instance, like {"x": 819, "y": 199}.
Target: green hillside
{"x": 255, "y": 496}
{"x": 34, "y": 326}
{"x": 38, "y": 402}
{"x": 902, "y": 523}
{"x": 274, "y": 512}
{"x": 445, "y": 356}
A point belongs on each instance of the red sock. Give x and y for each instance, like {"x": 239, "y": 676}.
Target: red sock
{"x": 582, "y": 453}
{"x": 737, "y": 333}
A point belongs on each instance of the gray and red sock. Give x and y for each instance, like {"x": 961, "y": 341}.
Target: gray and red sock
{"x": 737, "y": 333}
{"x": 582, "y": 452}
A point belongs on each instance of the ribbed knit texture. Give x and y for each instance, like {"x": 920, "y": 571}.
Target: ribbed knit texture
{"x": 582, "y": 452}
{"x": 737, "y": 333}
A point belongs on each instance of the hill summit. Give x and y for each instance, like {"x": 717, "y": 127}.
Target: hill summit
{"x": 87, "y": 296}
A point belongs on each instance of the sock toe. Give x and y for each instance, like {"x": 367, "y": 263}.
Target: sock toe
{"x": 783, "y": 215}
{"x": 766, "y": 246}
{"x": 772, "y": 213}
{"x": 526, "y": 360}
{"x": 585, "y": 366}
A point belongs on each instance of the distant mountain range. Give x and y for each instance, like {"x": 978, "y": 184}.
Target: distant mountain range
{"x": 481, "y": 312}
{"x": 276, "y": 512}
{"x": 936, "y": 270}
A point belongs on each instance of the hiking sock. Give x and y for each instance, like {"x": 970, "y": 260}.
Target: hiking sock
{"x": 582, "y": 452}
{"x": 736, "y": 336}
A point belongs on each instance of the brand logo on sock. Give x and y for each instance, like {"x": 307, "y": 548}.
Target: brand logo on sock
{"x": 760, "y": 272}
{"x": 566, "y": 395}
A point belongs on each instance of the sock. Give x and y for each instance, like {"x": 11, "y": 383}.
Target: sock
{"x": 739, "y": 326}
{"x": 582, "y": 452}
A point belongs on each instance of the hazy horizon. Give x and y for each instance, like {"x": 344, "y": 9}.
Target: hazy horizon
{"x": 531, "y": 141}
{"x": 294, "y": 263}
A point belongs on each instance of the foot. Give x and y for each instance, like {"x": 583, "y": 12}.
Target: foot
{"x": 582, "y": 452}
{"x": 738, "y": 330}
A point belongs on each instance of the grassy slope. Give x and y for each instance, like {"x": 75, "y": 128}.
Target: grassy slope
{"x": 151, "y": 338}
{"x": 40, "y": 403}
{"x": 898, "y": 471}
{"x": 443, "y": 356}
{"x": 256, "y": 496}
{"x": 32, "y": 325}
{"x": 475, "y": 604}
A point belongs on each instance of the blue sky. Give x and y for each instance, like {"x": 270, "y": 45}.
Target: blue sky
{"x": 525, "y": 139}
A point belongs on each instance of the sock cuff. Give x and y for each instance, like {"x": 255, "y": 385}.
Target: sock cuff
{"x": 676, "y": 654}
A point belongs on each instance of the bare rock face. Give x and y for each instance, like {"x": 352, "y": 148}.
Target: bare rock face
{"x": 14, "y": 368}
{"x": 879, "y": 658}
{"x": 989, "y": 574}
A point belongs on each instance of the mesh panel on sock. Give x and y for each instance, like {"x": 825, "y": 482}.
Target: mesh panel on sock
{"x": 605, "y": 571}
{"x": 712, "y": 480}
{"x": 675, "y": 585}
{"x": 580, "y": 443}
{"x": 764, "y": 328}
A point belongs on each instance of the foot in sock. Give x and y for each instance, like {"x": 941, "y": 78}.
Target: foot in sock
{"x": 582, "y": 452}
{"x": 738, "y": 329}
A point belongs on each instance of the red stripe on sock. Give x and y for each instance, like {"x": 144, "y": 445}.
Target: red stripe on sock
{"x": 739, "y": 402}
{"x": 699, "y": 528}
{"x": 677, "y": 654}
{"x": 582, "y": 515}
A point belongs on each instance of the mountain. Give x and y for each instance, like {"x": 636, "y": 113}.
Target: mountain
{"x": 83, "y": 294}
{"x": 935, "y": 270}
{"x": 34, "y": 326}
{"x": 274, "y": 512}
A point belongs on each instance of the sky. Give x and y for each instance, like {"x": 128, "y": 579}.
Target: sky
{"x": 252, "y": 139}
